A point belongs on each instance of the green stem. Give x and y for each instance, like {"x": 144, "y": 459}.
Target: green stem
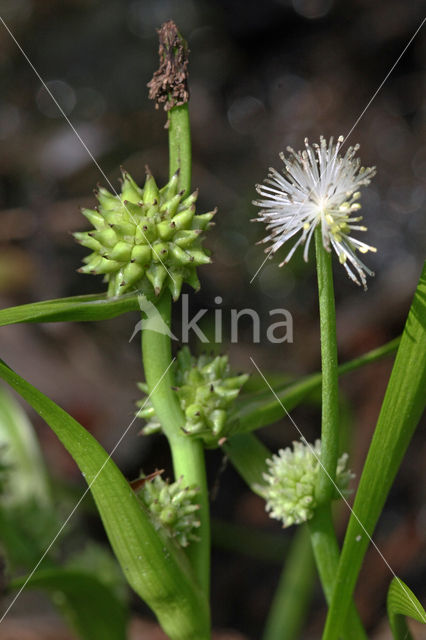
{"x": 326, "y": 553}
{"x": 187, "y": 454}
{"x": 330, "y": 387}
{"x": 323, "y": 536}
{"x": 290, "y": 604}
{"x": 180, "y": 145}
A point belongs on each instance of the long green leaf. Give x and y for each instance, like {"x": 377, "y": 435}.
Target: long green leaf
{"x": 263, "y": 408}
{"x": 401, "y": 410}
{"x": 291, "y": 601}
{"x": 75, "y": 309}
{"x": 402, "y": 602}
{"x": 156, "y": 569}
{"x": 91, "y": 607}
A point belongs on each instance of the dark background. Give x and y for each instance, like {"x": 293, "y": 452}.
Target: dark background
{"x": 262, "y": 76}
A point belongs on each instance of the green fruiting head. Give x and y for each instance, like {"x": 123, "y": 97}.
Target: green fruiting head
{"x": 173, "y": 507}
{"x": 206, "y": 389}
{"x": 145, "y": 237}
{"x": 291, "y": 480}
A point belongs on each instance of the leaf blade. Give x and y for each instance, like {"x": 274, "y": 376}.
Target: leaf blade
{"x": 402, "y": 602}
{"x": 157, "y": 570}
{"x": 75, "y": 309}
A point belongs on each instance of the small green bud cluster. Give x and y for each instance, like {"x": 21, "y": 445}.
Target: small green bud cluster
{"x": 206, "y": 388}
{"x": 291, "y": 482}
{"x": 173, "y": 507}
{"x": 145, "y": 236}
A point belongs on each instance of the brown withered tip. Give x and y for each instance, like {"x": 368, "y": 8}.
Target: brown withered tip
{"x": 169, "y": 84}
{"x": 139, "y": 482}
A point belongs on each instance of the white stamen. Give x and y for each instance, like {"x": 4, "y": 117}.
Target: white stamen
{"x": 317, "y": 187}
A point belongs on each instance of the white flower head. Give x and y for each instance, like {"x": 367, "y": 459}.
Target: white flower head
{"x": 318, "y": 187}
{"x": 291, "y": 480}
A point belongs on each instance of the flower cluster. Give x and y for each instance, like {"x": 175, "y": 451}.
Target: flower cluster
{"x": 206, "y": 388}
{"x": 145, "y": 236}
{"x": 291, "y": 481}
{"x": 173, "y": 506}
{"x": 318, "y": 188}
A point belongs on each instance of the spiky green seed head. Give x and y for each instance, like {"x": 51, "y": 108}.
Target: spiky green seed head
{"x": 173, "y": 506}
{"x": 291, "y": 481}
{"x": 206, "y": 389}
{"x": 145, "y": 237}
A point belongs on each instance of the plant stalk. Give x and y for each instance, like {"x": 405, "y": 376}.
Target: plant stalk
{"x": 187, "y": 454}
{"x": 330, "y": 384}
{"x": 323, "y": 536}
{"x": 180, "y": 155}
{"x": 326, "y": 553}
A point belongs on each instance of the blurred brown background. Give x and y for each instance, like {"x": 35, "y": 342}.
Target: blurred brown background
{"x": 262, "y": 76}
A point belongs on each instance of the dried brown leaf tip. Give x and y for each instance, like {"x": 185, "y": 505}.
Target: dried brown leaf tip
{"x": 169, "y": 84}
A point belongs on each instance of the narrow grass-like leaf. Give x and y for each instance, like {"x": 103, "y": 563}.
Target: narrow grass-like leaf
{"x": 263, "y": 408}
{"x": 402, "y": 602}
{"x": 292, "y": 598}
{"x": 90, "y": 607}
{"x": 156, "y": 569}
{"x": 74, "y": 309}
{"x": 401, "y": 409}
